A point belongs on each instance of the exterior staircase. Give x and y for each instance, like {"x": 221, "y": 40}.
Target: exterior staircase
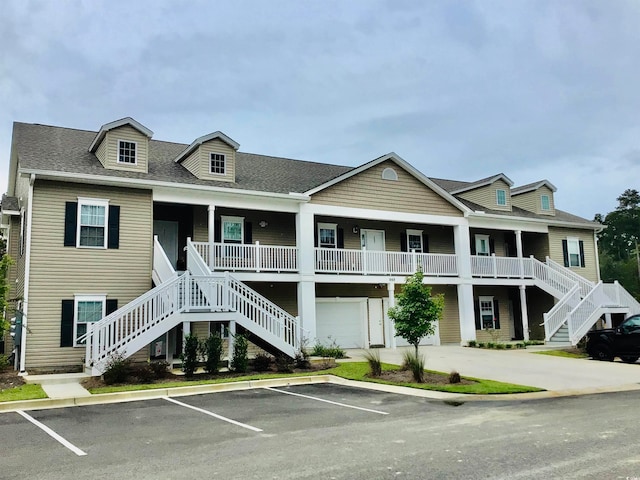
{"x": 196, "y": 295}
{"x": 580, "y": 302}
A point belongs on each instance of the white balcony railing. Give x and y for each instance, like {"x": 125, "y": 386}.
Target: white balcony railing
{"x": 501, "y": 267}
{"x": 252, "y": 257}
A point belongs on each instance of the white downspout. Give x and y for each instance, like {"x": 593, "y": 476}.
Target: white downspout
{"x": 27, "y": 269}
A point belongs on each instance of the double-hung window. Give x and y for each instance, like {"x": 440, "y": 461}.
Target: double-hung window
{"x": 573, "y": 251}
{"x": 501, "y": 197}
{"x": 327, "y": 235}
{"x": 483, "y": 247}
{"x": 87, "y": 309}
{"x": 487, "y": 315}
{"x": 217, "y": 164}
{"x": 127, "y": 152}
{"x": 232, "y": 229}
{"x": 545, "y": 203}
{"x": 92, "y": 223}
{"x": 414, "y": 241}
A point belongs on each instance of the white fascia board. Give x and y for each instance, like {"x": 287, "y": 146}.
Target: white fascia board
{"x": 503, "y": 282}
{"x": 10, "y": 212}
{"x": 377, "y": 279}
{"x": 205, "y": 138}
{"x": 477, "y": 219}
{"x": 397, "y": 159}
{"x": 489, "y": 181}
{"x": 534, "y": 187}
{"x": 118, "y": 123}
{"x": 153, "y": 184}
{"x": 391, "y": 216}
{"x": 495, "y": 222}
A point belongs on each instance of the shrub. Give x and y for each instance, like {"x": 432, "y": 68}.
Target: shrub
{"x": 454, "y": 377}
{"x": 4, "y": 362}
{"x": 332, "y": 350}
{"x": 116, "y": 369}
{"x": 211, "y": 351}
{"x": 481, "y": 345}
{"x": 375, "y": 365}
{"x": 189, "y": 355}
{"x": 472, "y": 343}
{"x": 500, "y": 346}
{"x": 491, "y": 345}
{"x": 508, "y": 346}
{"x": 160, "y": 368}
{"x": 302, "y": 360}
{"x": 284, "y": 363}
{"x": 415, "y": 363}
{"x": 240, "y": 359}
{"x": 142, "y": 373}
{"x": 262, "y": 362}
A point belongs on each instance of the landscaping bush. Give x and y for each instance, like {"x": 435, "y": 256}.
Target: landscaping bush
{"x": 211, "y": 352}
{"x": 189, "y": 355}
{"x": 472, "y": 343}
{"x": 454, "y": 377}
{"x": 302, "y": 360}
{"x": 262, "y": 362}
{"x": 116, "y": 370}
{"x": 160, "y": 369}
{"x": 240, "y": 359}
{"x": 415, "y": 363}
{"x": 142, "y": 372}
{"x": 284, "y": 363}
{"x": 4, "y": 362}
{"x": 332, "y": 350}
{"x": 375, "y": 365}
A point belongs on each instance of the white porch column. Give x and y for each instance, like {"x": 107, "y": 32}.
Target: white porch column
{"x": 305, "y": 242}
{"x": 523, "y": 310}
{"x": 186, "y": 329}
{"x": 231, "y": 341}
{"x": 462, "y": 244}
{"x": 607, "y": 321}
{"x": 519, "y": 250}
{"x": 211, "y": 234}
{"x": 466, "y": 313}
{"x": 391, "y": 327}
{"x": 307, "y": 309}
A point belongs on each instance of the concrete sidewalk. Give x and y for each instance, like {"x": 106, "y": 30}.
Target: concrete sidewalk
{"x": 520, "y": 366}
{"x": 60, "y": 385}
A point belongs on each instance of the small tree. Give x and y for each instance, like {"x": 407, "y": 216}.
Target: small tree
{"x": 189, "y": 355}
{"x": 416, "y": 311}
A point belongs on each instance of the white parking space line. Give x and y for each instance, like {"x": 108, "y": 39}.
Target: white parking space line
{"x": 52, "y": 434}
{"x": 326, "y": 401}
{"x": 215, "y": 415}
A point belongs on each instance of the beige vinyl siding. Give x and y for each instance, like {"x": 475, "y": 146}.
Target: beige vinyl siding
{"x": 497, "y": 236}
{"x": 192, "y": 162}
{"x": 536, "y": 244}
{"x": 199, "y": 162}
{"x": 368, "y": 190}
{"x": 449, "y": 325}
{"x": 15, "y": 274}
{"x": 284, "y": 295}
{"x": 127, "y": 134}
{"x": 538, "y": 303}
{"x": 487, "y": 196}
{"x": 532, "y": 202}
{"x": 59, "y": 272}
{"x": 101, "y": 152}
{"x": 200, "y": 224}
{"x": 502, "y": 295}
{"x": 556, "y": 235}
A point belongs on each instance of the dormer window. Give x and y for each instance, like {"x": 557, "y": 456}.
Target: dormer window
{"x": 501, "y": 197}
{"x": 127, "y": 152}
{"x": 545, "y": 204}
{"x": 217, "y": 164}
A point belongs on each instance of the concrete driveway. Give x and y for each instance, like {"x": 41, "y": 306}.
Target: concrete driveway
{"x": 520, "y": 366}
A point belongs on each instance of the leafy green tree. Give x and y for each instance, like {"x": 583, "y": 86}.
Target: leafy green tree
{"x": 416, "y": 311}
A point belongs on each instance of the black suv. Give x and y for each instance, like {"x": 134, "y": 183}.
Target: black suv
{"x": 623, "y": 341}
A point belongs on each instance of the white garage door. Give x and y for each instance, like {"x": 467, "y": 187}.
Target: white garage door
{"x": 344, "y": 320}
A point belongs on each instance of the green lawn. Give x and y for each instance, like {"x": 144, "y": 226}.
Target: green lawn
{"x": 563, "y": 353}
{"x": 348, "y": 370}
{"x": 24, "y": 392}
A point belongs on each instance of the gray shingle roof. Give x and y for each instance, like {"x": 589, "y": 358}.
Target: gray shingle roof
{"x": 10, "y": 204}
{"x": 42, "y": 147}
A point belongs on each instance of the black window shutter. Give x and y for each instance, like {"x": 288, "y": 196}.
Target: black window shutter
{"x": 248, "y": 233}
{"x": 111, "y": 305}
{"x": 217, "y": 230}
{"x": 476, "y": 311}
{"x": 473, "y": 246}
{"x": 425, "y": 243}
{"x": 403, "y": 242}
{"x": 565, "y": 253}
{"x": 70, "y": 223}
{"x": 496, "y": 314}
{"x": 492, "y": 245}
{"x": 66, "y": 324}
{"x": 114, "y": 227}
{"x": 581, "y": 244}
{"x": 340, "y": 238}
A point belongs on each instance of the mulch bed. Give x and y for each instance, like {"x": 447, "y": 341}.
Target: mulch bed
{"x": 9, "y": 379}
{"x": 405, "y": 376}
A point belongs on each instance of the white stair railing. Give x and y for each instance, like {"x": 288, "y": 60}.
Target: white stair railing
{"x": 557, "y": 316}
{"x": 162, "y": 268}
{"x": 585, "y": 285}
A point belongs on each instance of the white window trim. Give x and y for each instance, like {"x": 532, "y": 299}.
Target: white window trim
{"x": 328, "y": 226}
{"x": 389, "y": 174}
{"x": 417, "y": 233}
{"x": 542, "y": 197}
{"x": 135, "y": 156}
{"x": 92, "y": 201}
{"x": 576, "y": 242}
{"x": 498, "y": 197}
{"x": 479, "y": 237}
{"x": 224, "y": 159}
{"x": 384, "y": 237}
{"x": 493, "y": 313}
{"x": 85, "y": 298}
{"x": 23, "y": 225}
{"x": 224, "y": 218}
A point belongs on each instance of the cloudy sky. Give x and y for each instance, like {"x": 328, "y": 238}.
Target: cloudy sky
{"x": 459, "y": 89}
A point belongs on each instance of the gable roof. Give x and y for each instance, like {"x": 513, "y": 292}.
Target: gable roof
{"x": 533, "y": 186}
{"x": 10, "y": 205}
{"x": 206, "y": 138}
{"x": 480, "y": 183}
{"x": 398, "y": 160}
{"x": 116, "y": 124}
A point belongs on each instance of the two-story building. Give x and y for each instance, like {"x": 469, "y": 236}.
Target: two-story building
{"x": 123, "y": 243}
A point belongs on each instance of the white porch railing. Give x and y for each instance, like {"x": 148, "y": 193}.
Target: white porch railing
{"x": 585, "y": 285}
{"x": 364, "y": 262}
{"x": 557, "y": 316}
{"x": 252, "y": 257}
{"x": 162, "y": 268}
{"x": 501, "y": 267}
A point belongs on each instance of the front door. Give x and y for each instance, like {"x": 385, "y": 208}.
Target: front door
{"x": 167, "y": 232}
{"x": 376, "y": 322}
{"x": 373, "y": 241}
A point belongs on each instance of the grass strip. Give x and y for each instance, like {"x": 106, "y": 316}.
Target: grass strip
{"x": 562, "y": 353}
{"x": 23, "y": 392}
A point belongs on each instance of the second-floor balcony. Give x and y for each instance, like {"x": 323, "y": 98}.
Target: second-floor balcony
{"x": 276, "y": 258}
